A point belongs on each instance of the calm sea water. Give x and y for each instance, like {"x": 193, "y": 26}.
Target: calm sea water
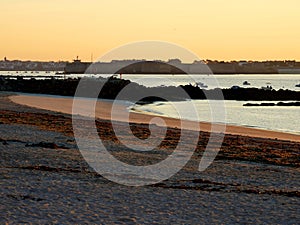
{"x": 277, "y": 81}
{"x": 276, "y": 118}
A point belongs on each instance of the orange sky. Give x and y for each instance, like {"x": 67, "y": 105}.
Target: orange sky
{"x": 213, "y": 29}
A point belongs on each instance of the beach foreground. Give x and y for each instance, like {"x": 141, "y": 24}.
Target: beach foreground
{"x": 45, "y": 179}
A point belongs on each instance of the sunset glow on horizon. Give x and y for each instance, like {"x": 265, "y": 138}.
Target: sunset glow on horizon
{"x": 222, "y": 30}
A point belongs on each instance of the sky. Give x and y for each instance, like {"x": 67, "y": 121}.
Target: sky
{"x": 212, "y": 29}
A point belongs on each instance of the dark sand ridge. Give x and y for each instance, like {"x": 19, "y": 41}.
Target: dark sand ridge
{"x": 103, "y": 111}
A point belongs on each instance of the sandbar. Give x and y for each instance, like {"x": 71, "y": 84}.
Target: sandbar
{"x": 103, "y": 111}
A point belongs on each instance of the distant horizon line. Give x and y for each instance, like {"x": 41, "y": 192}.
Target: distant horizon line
{"x": 212, "y": 60}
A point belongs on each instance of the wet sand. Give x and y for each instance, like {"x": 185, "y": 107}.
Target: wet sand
{"x": 103, "y": 111}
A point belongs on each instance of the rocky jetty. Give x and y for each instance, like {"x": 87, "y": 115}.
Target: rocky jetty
{"x": 112, "y": 86}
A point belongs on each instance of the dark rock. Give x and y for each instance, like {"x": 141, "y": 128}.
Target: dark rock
{"x": 251, "y": 104}
{"x": 42, "y": 144}
{"x": 267, "y": 104}
{"x": 273, "y": 104}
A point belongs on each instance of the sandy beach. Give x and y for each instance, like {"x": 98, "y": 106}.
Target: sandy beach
{"x": 43, "y": 177}
{"x": 103, "y": 111}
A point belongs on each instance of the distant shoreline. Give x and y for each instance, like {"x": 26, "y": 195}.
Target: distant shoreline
{"x": 172, "y": 66}
{"x": 61, "y": 73}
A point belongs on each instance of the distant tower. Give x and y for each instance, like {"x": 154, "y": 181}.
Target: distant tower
{"x": 5, "y": 59}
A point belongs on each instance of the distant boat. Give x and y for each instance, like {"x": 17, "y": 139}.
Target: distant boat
{"x": 202, "y": 85}
{"x": 76, "y": 67}
{"x": 267, "y": 88}
{"x": 297, "y": 85}
{"x": 246, "y": 83}
{"x": 235, "y": 87}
